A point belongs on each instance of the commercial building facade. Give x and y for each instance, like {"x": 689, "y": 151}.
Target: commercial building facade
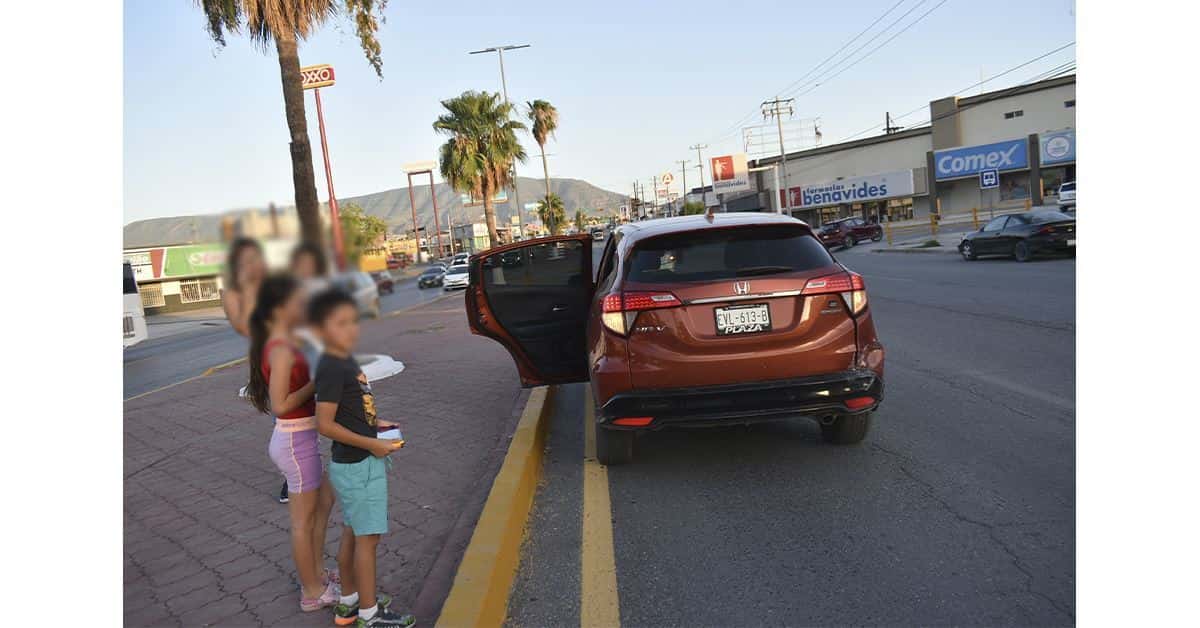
{"x": 1026, "y": 133}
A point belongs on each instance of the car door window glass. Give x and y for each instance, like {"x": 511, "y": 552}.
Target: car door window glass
{"x": 550, "y": 264}
{"x": 1016, "y": 222}
{"x": 995, "y": 224}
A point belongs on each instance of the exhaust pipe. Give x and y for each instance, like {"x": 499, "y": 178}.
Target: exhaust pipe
{"x": 828, "y": 419}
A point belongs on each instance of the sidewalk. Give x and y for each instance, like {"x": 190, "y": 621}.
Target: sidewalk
{"x": 205, "y": 542}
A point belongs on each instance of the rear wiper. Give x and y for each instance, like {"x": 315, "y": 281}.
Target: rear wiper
{"x": 762, "y": 270}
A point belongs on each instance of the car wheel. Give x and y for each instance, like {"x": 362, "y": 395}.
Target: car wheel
{"x": 613, "y": 446}
{"x": 877, "y": 237}
{"x": 968, "y": 253}
{"x": 1021, "y": 252}
{"x": 847, "y": 429}
{"x": 848, "y": 242}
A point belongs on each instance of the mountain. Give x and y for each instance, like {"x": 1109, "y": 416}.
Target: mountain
{"x": 391, "y": 205}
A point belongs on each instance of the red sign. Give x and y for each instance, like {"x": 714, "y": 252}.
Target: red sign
{"x": 722, "y": 168}
{"x": 314, "y": 76}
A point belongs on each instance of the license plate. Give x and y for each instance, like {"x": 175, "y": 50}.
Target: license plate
{"x": 1070, "y": 243}
{"x": 743, "y": 319}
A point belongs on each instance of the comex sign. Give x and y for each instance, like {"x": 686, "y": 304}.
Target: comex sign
{"x": 970, "y": 160}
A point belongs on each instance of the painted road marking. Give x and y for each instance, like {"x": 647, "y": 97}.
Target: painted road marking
{"x": 599, "y": 605}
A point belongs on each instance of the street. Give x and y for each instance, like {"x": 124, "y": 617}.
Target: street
{"x": 958, "y": 508}
{"x": 165, "y": 360}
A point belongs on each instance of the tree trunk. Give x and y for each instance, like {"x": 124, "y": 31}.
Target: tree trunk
{"x": 545, "y": 174}
{"x": 307, "y": 205}
{"x": 489, "y": 215}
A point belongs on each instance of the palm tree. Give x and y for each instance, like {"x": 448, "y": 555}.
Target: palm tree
{"x": 478, "y": 157}
{"x": 544, "y": 118}
{"x": 285, "y": 23}
{"x": 580, "y": 221}
{"x": 552, "y": 213}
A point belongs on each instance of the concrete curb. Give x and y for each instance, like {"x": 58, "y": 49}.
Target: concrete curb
{"x": 925, "y": 250}
{"x": 479, "y": 595}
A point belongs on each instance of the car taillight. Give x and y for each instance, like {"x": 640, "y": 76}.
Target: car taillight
{"x": 619, "y": 310}
{"x": 849, "y": 285}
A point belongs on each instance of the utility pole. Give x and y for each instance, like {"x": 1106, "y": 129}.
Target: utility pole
{"x": 683, "y": 170}
{"x": 777, "y": 108}
{"x": 887, "y": 123}
{"x": 700, "y": 165}
{"x": 499, "y": 50}
{"x": 654, "y": 192}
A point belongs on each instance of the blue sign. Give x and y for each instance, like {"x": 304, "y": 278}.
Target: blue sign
{"x": 969, "y": 160}
{"x": 1057, "y": 147}
{"x": 989, "y": 179}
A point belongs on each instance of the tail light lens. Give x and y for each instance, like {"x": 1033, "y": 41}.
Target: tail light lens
{"x": 620, "y": 310}
{"x": 849, "y": 285}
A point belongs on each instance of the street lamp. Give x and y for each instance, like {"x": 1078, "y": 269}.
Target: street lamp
{"x": 499, "y": 50}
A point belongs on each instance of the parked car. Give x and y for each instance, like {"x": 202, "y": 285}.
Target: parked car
{"x": 849, "y": 231}
{"x": 460, "y": 258}
{"x": 456, "y": 277}
{"x": 361, "y": 286}
{"x": 384, "y": 283}
{"x": 1021, "y": 236}
{"x": 431, "y": 277}
{"x": 690, "y": 321}
{"x": 393, "y": 263}
{"x": 598, "y": 233}
{"x": 1066, "y": 195}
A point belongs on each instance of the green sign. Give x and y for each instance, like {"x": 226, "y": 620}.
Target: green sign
{"x": 192, "y": 260}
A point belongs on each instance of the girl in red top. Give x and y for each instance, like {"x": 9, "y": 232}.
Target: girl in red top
{"x": 280, "y": 385}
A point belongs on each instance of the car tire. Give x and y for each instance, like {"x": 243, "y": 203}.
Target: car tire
{"x": 848, "y": 429}
{"x": 1021, "y": 252}
{"x": 877, "y": 237}
{"x": 967, "y": 251}
{"x": 613, "y": 447}
{"x": 848, "y": 243}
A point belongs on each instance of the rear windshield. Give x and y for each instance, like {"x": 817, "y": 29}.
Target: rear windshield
{"x": 726, "y": 253}
{"x": 1068, "y": 187}
{"x": 1050, "y": 216}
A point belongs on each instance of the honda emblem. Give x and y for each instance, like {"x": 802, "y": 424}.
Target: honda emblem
{"x": 741, "y": 287}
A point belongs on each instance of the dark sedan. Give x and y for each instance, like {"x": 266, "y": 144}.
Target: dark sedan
{"x": 849, "y": 231}
{"x": 1022, "y": 236}
{"x": 432, "y": 277}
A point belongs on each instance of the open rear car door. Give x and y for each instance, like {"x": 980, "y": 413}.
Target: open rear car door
{"x": 533, "y": 297}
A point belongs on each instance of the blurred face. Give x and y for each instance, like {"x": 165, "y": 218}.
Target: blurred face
{"x": 339, "y": 330}
{"x": 304, "y": 266}
{"x": 291, "y": 312}
{"x": 251, "y": 267}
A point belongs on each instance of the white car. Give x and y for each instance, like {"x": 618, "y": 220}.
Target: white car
{"x": 1066, "y": 195}
{"x": 362, "y": 287}
{"x": 460, "y": 258}
{"x": 456, "y": 277}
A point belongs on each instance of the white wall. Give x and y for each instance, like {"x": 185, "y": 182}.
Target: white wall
{"x": 900, "y": 154}
{"x": 1043, "y": 111}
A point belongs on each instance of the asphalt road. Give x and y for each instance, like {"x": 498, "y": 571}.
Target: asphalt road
{"x": 161, "y": 361}
{"x": 959, "y": 507}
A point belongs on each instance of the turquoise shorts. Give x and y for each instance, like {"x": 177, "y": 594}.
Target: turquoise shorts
{"x": 362, "y": 488}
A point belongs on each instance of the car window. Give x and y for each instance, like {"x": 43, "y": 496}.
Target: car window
{"x": 551, "y": 264}
{"x": 1068, "y": 187}
{"x": 714, "y": 254}
{"x": 1017, "y": 220}
{"x": 608, "y": 263}
{"x": 130, "y": 282}
{"x": 457, "y": 270}
{"x": 1050, "y": 216}
{"x": 995, "y": 224}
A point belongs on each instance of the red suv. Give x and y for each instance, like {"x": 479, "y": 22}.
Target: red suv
{"x": 849, "y": 231}
{"x": 689, "y": 321}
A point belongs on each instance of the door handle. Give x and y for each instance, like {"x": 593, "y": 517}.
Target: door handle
{"x": 558, "y": 308}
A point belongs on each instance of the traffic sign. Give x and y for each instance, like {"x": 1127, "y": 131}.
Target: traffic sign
{"x": 989, "y": 179}
{"x": 314, "y": 76}
{"x": 667, "y": 179}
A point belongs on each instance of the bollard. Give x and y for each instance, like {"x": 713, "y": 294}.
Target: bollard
{"x": 933, "y": 224}
{"x": 975, "y": 217}
{"x": 1028, "y": 204}
{"x": 887, "y": 228}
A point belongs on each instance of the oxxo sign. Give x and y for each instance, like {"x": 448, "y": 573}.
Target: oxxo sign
{"x": 971, "y": 160}
{"x": 314, "y": 76}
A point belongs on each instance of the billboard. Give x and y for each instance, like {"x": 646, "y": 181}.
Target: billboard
{"x": 730, "y": 174}
{"x": 968, "y": 161}
{"x": 470, "y": 200}
{"x": 314, "y": 76}
{"x": 175, "y": 262}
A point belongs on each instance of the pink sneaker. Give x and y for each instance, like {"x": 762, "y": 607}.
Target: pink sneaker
{"x": 330, "y": 596}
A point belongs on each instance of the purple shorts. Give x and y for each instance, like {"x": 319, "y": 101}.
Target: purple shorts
{"x": 295, "y": 453}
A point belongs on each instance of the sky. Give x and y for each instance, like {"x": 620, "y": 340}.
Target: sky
{"x": 635, "y": 83}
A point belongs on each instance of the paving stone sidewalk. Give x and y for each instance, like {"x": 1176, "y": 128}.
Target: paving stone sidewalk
{"x": 206, "y": 543}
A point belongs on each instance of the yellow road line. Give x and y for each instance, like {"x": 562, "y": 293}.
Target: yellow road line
{"x": 210, "y": 371}
{"x": 599, "y": 604}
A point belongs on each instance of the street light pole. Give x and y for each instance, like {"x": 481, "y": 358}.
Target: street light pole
{"x": 683, "y": 170}
{"x": 499, "y": 50}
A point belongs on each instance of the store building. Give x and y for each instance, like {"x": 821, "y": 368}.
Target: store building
{"x": 1026, "y": 132}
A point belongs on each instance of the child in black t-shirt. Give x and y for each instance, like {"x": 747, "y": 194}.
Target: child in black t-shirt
{"x": 358, "y": 470}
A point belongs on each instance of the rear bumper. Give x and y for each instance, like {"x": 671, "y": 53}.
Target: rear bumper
{"x": 741, "y": 403}
{"x": 1057, "y": 243}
